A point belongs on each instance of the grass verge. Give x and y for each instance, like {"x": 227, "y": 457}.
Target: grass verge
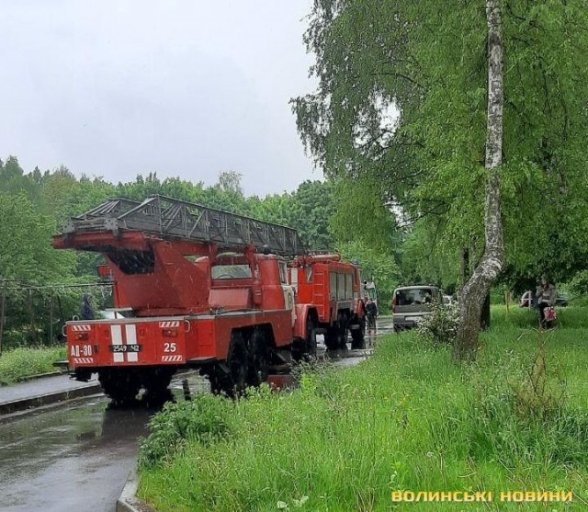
{"x": 407, "y": 419}
{"x": 20, "y": 363}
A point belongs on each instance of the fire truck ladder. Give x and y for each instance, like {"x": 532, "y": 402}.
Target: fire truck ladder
{"x": 180, "y": 220}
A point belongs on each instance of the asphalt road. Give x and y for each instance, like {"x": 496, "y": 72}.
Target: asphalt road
{"x": 76, "y": 457}
{"x": 73, "y": 458}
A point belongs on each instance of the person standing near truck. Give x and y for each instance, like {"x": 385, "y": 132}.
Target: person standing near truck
{"x": 371, "y": 311}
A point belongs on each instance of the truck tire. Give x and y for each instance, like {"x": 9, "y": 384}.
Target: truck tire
{"x": 310, "y": 342}
{"x": 336, "y": 337}
{"x": 343, "y": 331}
{"x": 231, "y": 379}
{"x": 156, "y": 384}
{"x": 218, "y": 381}
{"x": 332, "y": 338}
{"x": 358, "y": 336}
{"x": 258, "y": 357}
{"x": 238, "y": 363}
{"x": 119, "y": 384}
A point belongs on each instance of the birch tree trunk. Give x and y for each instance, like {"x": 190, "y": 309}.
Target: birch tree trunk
{"x": 490, "y": 266}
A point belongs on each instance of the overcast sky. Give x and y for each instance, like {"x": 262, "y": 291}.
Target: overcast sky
{"x": 183, "y": 87}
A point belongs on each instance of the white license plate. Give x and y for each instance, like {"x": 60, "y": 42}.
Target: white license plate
{"x": 125, "y": 348}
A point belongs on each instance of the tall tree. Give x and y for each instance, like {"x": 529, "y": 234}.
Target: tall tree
{"x": 313, "y": 207}
{"x": 476, "y": 289}
{"x": 230, "y": 181}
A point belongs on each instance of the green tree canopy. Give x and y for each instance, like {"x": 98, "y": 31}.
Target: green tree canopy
{"x": 26, "y": 254}
{"x": 425, "y": 64}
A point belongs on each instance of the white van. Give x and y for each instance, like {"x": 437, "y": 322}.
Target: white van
{"x": 411, "y": 304}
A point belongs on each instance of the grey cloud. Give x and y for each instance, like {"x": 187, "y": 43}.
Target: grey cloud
{"x": 184, "y": 88}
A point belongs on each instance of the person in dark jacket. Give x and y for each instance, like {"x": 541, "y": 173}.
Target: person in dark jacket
{"x": 371, "y": 311}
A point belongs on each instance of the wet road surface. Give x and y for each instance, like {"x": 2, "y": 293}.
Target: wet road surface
{"x": 353, "y": 357}
{"x": 77, "y": 457}
{"x": 72, "y": 458}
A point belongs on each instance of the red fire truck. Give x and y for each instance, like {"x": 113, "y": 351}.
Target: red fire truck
{"x": 204, "y": 288}
{"x": 328, "y": 299}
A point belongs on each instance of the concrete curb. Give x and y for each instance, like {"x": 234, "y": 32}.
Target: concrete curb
{"x": 50, "y": 398}
{"x": 128, "y": 501}
{"x": 41, "y": 376}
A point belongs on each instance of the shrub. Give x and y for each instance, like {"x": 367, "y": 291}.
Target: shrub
{"x": 204, "y": 419}
{"x": 441, "y": 326}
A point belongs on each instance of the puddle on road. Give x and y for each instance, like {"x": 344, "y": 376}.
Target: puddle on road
{"x": 69, "y": 455}
{"x": 29, "y": 444}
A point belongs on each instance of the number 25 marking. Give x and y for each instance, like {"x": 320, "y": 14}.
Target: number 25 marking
{"x": 169, "y": 347}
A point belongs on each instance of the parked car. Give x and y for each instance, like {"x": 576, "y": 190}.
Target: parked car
{"x": 411, "y": 304}
{"x": 528, "y": 300}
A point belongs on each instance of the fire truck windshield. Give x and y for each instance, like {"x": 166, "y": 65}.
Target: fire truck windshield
{"x": 231, "y": 272}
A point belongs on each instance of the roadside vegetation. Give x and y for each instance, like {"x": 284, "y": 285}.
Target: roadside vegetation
{"x": 406, "y": 419}
{"x": 20, "y": 363}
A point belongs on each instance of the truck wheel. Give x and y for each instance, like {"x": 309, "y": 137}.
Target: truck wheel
{"x": 238, "y": 363}
{"x": 121, "y": 386}
{"x": 156, "y": 385}
{"x": 310, "y": 342}
{"x": 342, "y": 331}
{"x": 332, "y": 338}
{"x": 358, "y": 336}
{"x": 259, "y": 358}
{"x": 336, "y": 338}
{"x": 219, "y": 381}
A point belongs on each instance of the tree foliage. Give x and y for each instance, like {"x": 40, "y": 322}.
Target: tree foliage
{"x": 426, "y": 63}
{"x": 25, "y": 252}
{"x": 362, "y": 215}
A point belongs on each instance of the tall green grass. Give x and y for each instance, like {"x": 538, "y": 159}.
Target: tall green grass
{"x": 20, "y": 363}
{"x": 406, "y": 419}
